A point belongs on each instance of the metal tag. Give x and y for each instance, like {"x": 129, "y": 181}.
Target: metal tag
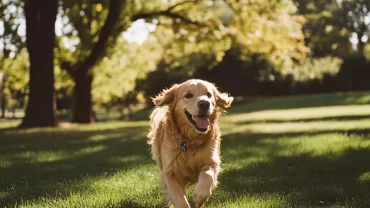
{"x": 183, "y": 147}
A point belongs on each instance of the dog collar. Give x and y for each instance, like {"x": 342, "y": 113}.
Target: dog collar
{"x": 183, "y": 147}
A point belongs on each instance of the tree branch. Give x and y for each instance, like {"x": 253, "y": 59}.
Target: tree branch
{"x": 66, "y": 65}
{"x": 99, "y": 47}
{"x": 181, "y": 3}
{"x": 168, "y": 13}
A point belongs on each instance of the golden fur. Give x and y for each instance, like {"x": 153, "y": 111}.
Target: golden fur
{"x": 169, "y": 127}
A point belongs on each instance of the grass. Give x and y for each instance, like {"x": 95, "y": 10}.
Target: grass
{"x": 302, "y": 151}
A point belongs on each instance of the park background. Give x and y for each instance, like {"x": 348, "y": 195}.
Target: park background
{"x": 76, "y": 78}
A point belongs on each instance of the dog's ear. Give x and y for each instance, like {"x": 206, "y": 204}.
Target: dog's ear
{"x": 223, "y": 99}
{"x": 166, "y": 96}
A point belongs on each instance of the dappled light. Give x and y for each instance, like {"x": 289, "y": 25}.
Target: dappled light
{"x": 79, "y": 79}
{"x": 74, "y": 156}
{"x": 303, "y": 114}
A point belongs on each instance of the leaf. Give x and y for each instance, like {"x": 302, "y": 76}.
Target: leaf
{"x": 98, "y": 7}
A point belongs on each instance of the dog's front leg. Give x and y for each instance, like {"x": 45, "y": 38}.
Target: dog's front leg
{"x": 206, "y": 183}
{"x": 176, "y": 191}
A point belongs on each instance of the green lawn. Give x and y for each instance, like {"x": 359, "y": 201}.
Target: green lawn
{"x": 302, "y": 151}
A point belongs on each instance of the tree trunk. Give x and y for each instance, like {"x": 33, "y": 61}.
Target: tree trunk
{"x": 83, "y": 99}
{"x": 3, "y": 98}
{"x": 361, "y": 47}
{"x": 13, "y": 113}
{"x": 81, "y": 74}
{"x": 40, "y": 31}
{"x": 3, "y": 79}
{"x": 3, "y": 105}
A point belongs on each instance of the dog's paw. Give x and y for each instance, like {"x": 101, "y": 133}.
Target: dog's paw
{"x": 200, "y": 197}
{"x": 196, "y": 205}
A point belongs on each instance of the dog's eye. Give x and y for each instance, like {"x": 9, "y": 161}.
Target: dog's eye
{"x": 189, "y": 95}
{"x": 209, "y": 95}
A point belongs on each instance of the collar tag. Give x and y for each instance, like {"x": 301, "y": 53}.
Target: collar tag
{"x": 183, "y": 147}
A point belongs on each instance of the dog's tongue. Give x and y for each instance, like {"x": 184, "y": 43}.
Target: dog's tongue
{"x": 202, "y": 121}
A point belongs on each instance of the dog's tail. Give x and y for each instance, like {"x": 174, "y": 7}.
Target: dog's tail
{"x": 156, "y": 117}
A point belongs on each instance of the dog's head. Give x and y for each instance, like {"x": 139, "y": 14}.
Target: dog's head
{"x": 194, "y": 102}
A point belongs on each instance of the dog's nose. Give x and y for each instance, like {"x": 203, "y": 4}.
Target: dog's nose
{"x": 203, "y": 105}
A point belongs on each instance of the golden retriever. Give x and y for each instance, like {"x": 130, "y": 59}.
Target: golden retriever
{"x": 185, "y": 139}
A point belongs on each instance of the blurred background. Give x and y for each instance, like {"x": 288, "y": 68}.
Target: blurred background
{"x": 93, "y": 60}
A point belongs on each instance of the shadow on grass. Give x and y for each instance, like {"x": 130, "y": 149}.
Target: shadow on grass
{"x": 248, "y": 138}
{"x": 126, "y": 204}
{"x": 330, "y": 118}
{"x": 141, "y": 201}
{"x": 304, "y": 101}
{"x": 31, "y": 170}
{"x": 303, "y": 179}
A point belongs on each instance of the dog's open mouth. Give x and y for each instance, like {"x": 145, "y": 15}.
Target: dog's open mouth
{"x": 200, "y": 122}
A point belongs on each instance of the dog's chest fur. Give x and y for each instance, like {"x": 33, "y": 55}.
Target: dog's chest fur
{"x": 187, "y": 165}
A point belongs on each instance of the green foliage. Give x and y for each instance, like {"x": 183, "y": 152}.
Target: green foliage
{"x": 192, "y": 49}
{"x": 330, "y": 24}
{"x": 63, "y": 82}
{"x": 12, "y": 57}
{"x": 191, "y": 40}
{"x": 324, "y": 35}
{"x": 81, "y": 26}
{"x": 367, "y": 52}
{"x": 194, "y": 34}
{"x": 11, "y": 14}
{"x": 269, "y": 27}
{"x": 116, "y": 75}
{"x": 316, "y": 68}
{"x": 266, "y": 27}
{"x": 16, "y": 79}
{"x": 353, "y": 15}
{"x": 16, "y": 72}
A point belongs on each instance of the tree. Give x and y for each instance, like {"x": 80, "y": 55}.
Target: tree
{"x": 40, "y": 32}
{"x": 324, "y": 35}
{"x": 11, "y": 42}
{"x": 196, "y": 26}
{"x": 355, "y": 17}
{"x": 330, "y": 25}
{"x": 93, "y": 44}
{"x": 115, "y": 85}
{"x": 271, "y": 28}
{"x": 17, "y": 78}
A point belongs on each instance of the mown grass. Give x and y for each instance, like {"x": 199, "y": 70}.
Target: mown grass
{"x": 302, "y": 151}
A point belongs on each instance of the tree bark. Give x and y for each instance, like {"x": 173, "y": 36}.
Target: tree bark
{"x": 3, "y": 98}
{"x": 3, "y": 105}
{"x": 361, "y": 47}
{"x": 40, "y": 32}
{"x": 3, "y": 79}
{"x": 83, "y": 100}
